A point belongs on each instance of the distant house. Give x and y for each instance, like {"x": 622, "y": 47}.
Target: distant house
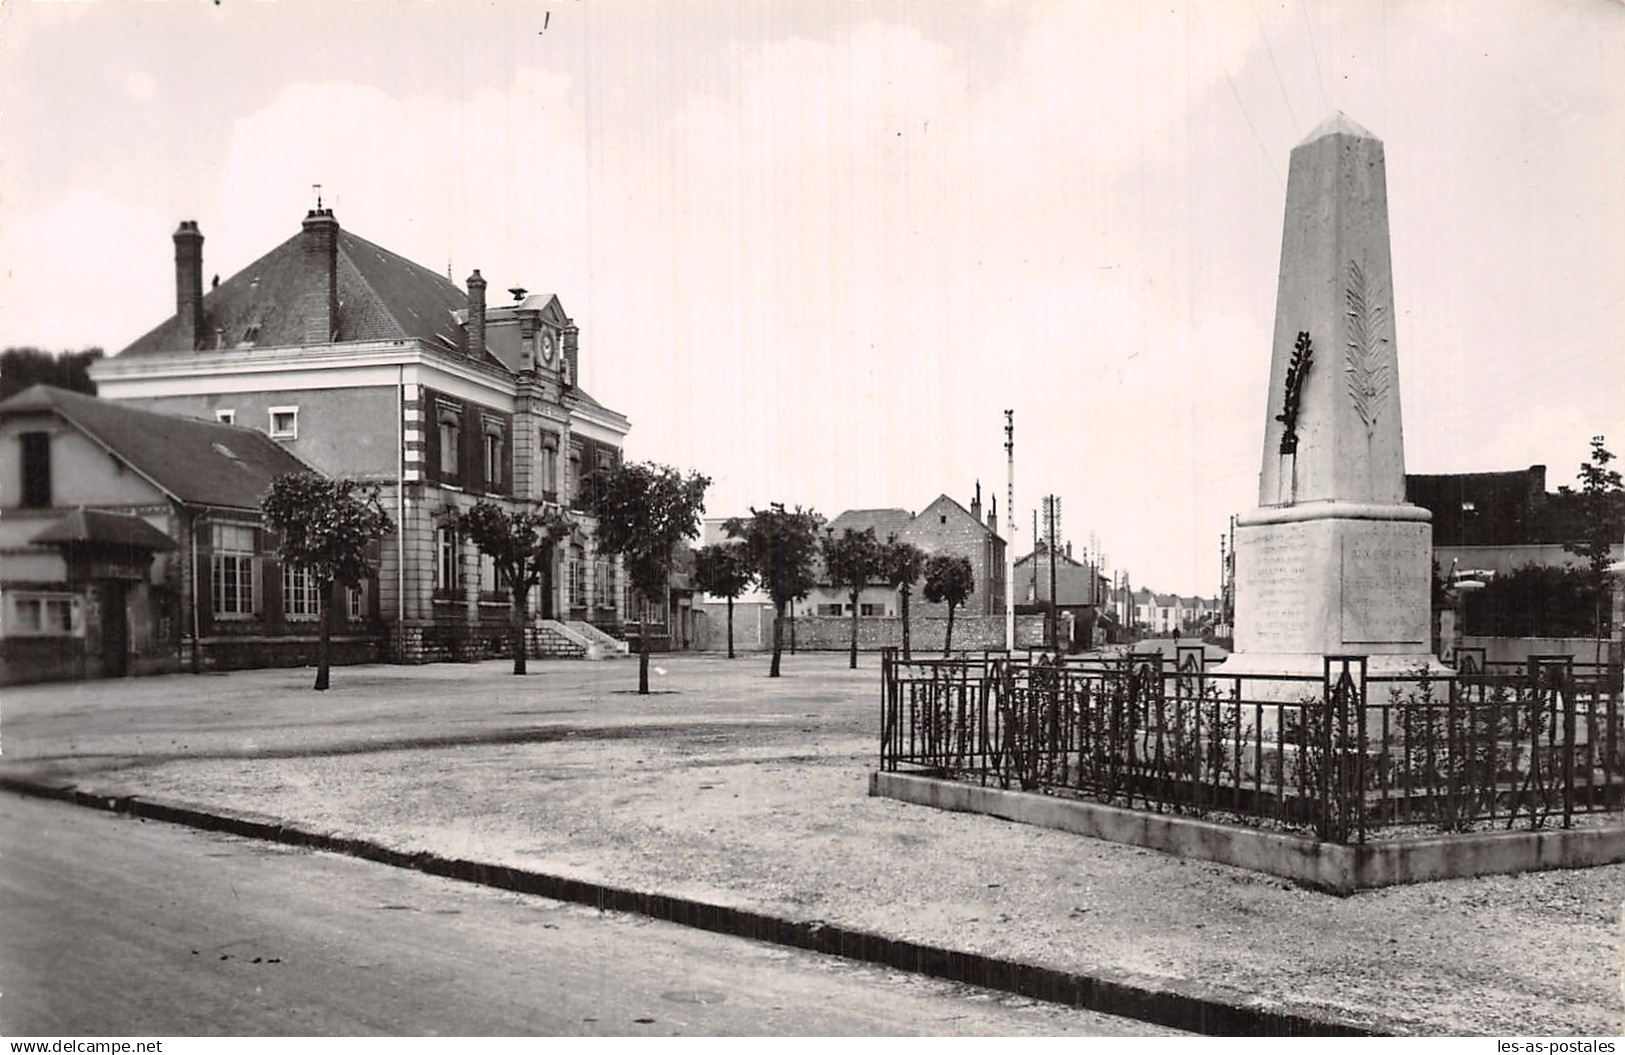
{"x": 1168, "y": 613}
{"x": 1081, "y": 591}
{"x": 942, "y": 527}
{"x": 129, "y": 539}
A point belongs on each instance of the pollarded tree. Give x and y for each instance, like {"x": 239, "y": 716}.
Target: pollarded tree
{"x": 723, "y": 570}
{"x": 902, "y": 564}
{"x": 949, "y": 579}
{"x": 326, "y": 527}
{"x": 644, "y": 512}
{"x": 1599, "y": 523}
{"x": 852, "y": 562}
{"x": 782, "y": 545}
{"x": 521, "y": 545}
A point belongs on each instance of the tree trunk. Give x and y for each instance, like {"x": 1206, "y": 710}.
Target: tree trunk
{"x": 778, "y": 639}
{"x": 948, "y": 638}
{"x": 518, "y": 596}
{"x": 325, "y": 620}
{"x": 904, "y": 593}
{"x": 643, "y": 658}
{"x": 854, "y": 663}
{"x": 731, "y": 628}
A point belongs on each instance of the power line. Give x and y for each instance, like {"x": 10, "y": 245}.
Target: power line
{"x": 1268, "y": 160}
{"x": 1320, "y": 78}
{"x": 1297, "y": 129}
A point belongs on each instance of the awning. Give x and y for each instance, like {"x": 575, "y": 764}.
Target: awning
{"x": 99, "y": 526}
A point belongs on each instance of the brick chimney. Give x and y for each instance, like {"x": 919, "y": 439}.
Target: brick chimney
{"x": 570, "y": 354}
{"x": 476, "y": 315}
{"x": 976, "y": 503}
{"x": 320, "y": 302}
{"x": 993, "y": 515}
{"x": 189, "y": 283}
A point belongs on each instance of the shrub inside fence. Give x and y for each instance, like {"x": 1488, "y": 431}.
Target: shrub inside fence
{"x": 1345, "y": 756}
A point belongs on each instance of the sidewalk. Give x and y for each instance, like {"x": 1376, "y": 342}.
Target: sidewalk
{"x": 729, "y": 789}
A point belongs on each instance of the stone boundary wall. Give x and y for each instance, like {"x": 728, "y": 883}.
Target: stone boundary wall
{"x": 1519, "y": 649}
{"x": 834, "y": 633}
{"x": 1332, "y": 867}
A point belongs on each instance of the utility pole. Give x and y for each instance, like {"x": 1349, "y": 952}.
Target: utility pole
{"x": 1010, "y": 543}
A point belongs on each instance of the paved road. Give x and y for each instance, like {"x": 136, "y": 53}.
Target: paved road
{"x": 113, "y": 926}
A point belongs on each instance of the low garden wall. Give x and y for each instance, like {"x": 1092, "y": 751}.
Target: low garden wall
{"x": 926, "y": 634}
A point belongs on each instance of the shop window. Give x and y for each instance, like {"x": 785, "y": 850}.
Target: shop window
{"x": 43, "y": 615}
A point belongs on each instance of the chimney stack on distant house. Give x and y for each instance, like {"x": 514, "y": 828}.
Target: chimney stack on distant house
{"x": 476, "y": 315}
{"x": 976, "y": 503}
{"x": 993, "y": 515}
{"x": 189, "y": 283}
{"x": 320, "y": 301}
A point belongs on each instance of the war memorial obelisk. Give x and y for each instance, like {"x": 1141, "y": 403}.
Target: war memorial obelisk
{"x": 1333, "y": 561}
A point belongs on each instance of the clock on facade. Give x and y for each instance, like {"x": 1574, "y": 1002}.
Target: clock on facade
{"x": 547, "y": 348}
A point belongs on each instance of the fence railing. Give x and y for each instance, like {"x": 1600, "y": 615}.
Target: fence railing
{"x": 1346, "y": 755}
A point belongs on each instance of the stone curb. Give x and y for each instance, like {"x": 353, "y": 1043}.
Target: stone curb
{"x": 1196, "y": 1011}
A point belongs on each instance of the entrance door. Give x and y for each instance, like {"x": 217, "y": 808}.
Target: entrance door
{"x": 115, "y": 629}
{"x": 545, "y": 585}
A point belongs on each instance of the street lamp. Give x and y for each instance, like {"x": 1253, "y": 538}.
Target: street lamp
{"x": 1461, "y": 583}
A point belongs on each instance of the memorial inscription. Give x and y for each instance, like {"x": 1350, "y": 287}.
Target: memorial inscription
{"x": 1385, "y": 584}
{"x": 1279, "y": 587}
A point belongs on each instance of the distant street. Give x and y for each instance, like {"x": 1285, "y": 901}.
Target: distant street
{"x": 114, "y": 926}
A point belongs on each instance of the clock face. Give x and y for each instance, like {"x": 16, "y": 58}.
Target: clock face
{"x": 547, "y": 347}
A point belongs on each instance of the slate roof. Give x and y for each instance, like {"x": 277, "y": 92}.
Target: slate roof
{"x": 114, "y": 529}
{"x": 885, "y": 522}
{"x": 382, "y": 296}
{"x": 194, "y": 461}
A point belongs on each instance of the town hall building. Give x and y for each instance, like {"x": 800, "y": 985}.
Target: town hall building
{"x": 366, "y": 365}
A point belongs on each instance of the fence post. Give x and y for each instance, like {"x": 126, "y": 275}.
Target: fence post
{"x": 1565, "y": 687}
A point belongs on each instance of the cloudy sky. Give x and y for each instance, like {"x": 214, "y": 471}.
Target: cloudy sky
{"x": 816, "y": 249}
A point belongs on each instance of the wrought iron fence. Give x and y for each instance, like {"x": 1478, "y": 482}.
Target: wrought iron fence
{"x": 1347, "y": 755}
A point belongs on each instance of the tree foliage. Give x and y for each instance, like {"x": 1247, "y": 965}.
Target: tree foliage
{"x": 851, "y": 562}
{"x": 645, "y": 511}
{"x": 723, "y": 570}
{"x": 1536, "y": 600}
{"x": 950, "y": 580}
{"x": 901, "y": 565}
{"x": 22, "y": 367}
{"x": 782, "y": 546}
{"x": 521, "y": 545}
{"x": 1598, "y": 496}
{"x": 327, "y": 527}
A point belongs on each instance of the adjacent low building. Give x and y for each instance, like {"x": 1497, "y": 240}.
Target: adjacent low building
{"x": 131, "y": 542}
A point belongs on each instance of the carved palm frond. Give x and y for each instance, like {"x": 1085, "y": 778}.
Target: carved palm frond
{"x": 1366, "y": 361}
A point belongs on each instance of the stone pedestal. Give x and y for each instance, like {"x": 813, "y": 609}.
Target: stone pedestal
{"x": 1332, "y": 578}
